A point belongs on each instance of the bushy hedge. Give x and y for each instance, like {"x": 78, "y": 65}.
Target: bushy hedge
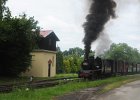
{"x": 18, "y": 37}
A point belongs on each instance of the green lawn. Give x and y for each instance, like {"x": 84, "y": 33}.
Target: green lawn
{"x": 49, "y": 93}
{"x": 66, "y": 75}
{"x": 5, "y": 80}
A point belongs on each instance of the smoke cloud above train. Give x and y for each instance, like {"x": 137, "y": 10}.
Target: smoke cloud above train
{"x": 99, "y": 14}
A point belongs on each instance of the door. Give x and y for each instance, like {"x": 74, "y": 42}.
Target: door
{"x": 49, "y": 70}
{"x": 49, "y": 67}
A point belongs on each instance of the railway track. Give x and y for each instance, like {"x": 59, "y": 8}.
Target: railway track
{"x": 36, "y": 84}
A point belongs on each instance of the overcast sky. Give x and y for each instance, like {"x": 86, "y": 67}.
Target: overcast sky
{"x": 65, "y": 18}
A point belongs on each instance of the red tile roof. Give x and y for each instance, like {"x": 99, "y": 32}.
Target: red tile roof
{"x": 45, "y": 33}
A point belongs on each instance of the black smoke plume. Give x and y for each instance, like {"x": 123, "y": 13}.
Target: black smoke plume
{"x": 100, "y": 12}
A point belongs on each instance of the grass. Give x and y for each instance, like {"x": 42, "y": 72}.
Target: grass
{"x": 66, "y": 75}
{"x": 5, "y": 80}
{"x": 49, "y": 93}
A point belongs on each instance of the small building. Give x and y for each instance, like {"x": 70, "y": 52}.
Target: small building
{"x": 48, "y": 40}
{"x": 44, "y": 58}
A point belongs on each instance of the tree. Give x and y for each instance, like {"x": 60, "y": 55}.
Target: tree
{"x": 122, "y": 51}
{"x": 2, "y": 8}
{"x": 73, "y": 58}
{"x": 59, "y": 61}
{"x": 74, "y": 51}
{"x": 18, "y": 37}
{"x": 70, "y": 60}
{"x": 67, "y": 67}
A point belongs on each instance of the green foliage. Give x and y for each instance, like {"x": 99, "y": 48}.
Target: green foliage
{"x": 122, "y": 51}
{"x": 74, "y": 51}
{"x": 67, "y": 67}
{"x": 18, "y": 37}
{"x": 71, "y": 64}
{"x": 72, "y": 60}
{"x": 59, "y": 61}
{"x": 66, "y": 75}
{"x": 3, "y": 9}
{"x": 69, "y": 61}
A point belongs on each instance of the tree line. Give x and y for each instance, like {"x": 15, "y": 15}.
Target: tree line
{"x": 122, "y": 52}
{"x": 69, "y": 61}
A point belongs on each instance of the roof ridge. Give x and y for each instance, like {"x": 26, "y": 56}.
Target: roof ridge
{"x": 45, "y": 33}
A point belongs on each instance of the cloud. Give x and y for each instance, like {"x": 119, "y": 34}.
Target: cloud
{"x": 125, "y": 28}
{"x": 65, "y": 17}
{"x": 68, "y": 33}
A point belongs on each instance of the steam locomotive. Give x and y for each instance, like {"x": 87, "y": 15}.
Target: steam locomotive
{"x": 95, "y": 68}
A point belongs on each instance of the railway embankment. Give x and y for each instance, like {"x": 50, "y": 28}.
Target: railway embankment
{"x": 72, "y": 89}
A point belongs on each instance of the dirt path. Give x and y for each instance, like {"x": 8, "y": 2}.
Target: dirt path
{"x": 130, "y": 91}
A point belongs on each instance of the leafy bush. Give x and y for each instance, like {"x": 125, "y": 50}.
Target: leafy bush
{"x": 18, "y": 37}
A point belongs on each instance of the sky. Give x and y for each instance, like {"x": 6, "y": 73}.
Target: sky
{"x": 65, "y": 18}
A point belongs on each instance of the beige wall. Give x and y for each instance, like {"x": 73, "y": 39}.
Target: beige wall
{"x": 40, "y": 64}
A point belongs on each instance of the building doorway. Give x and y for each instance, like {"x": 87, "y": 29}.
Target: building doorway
{"x": 49, "y": 68}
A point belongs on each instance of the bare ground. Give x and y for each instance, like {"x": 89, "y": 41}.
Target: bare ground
{"x": 85, "y": 94}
